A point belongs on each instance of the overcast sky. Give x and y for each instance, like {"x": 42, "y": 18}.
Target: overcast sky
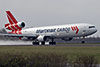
{"x": 52, "y": 12}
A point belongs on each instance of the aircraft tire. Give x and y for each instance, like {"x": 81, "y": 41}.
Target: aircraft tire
{"x": 35, "y": 43}
{"x": 43, "y": 43}
{"x": 83, "y": 42}
{"x": 52, "y": 43}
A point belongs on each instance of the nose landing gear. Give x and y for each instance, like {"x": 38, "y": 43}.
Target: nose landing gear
{"x": 83, "y": 41}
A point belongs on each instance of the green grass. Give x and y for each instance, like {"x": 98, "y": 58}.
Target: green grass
{"x": 69, "y": 51}
{"x": 51, "y": 49}
{"x": 48, "y": 56}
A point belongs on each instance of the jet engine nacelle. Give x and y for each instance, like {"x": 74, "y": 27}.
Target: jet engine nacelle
{"x": 16, "y": 26}
{"x": 41, "y": 38}
{"x": 21, "y": 24}
{"x": 67, "y": 39}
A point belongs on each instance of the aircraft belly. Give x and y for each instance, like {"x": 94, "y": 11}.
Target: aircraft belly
{"x": 60, "y": 34}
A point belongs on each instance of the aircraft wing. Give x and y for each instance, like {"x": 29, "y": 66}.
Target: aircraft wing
{"x": 27, "y": 37}
{"x": 17, "y": 35}
{"x": 24, "y": 35}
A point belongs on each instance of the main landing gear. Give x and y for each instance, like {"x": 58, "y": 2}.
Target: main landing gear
{"x": 52, "y": 42}
{"x": 35, "y": 43}
{"x": 44, "y": 43}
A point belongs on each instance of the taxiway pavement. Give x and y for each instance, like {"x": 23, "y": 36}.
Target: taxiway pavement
{"x": 29, "y": 43}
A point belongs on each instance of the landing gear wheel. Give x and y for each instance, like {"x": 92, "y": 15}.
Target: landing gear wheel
{"x": 35, "y": 43}
{"x": 43, "y": 43}
{"x": 83, "y": 42}
{"x": 52, "y": 43}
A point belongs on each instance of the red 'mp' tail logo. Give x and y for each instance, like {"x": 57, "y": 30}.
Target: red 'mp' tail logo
{"x": 13, "y": 24}
{"x": 75, "y": 28}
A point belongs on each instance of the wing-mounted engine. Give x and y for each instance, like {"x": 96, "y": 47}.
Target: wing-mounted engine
{"x": 15, "y": 26}
{"x": 42, "y": 38}
{"x": 67, "y": 39}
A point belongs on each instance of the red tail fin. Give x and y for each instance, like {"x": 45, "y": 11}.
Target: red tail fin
{"x": 13, "y": 24}
{"x": 11, "y": 18}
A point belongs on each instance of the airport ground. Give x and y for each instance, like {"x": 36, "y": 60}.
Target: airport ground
{"x": 71, "y": 51}
{"x": 48, "y": 55}
{"x": 23, "y": 51}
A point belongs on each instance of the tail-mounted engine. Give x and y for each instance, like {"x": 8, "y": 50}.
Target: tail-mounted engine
{"x": 15, "y": 26}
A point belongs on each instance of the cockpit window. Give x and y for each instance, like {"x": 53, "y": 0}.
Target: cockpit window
{"x": 91, "y": 26}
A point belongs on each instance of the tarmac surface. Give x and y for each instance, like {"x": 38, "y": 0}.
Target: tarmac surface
{"x": 79, "y": 45}
{"x": 29, "y": 43}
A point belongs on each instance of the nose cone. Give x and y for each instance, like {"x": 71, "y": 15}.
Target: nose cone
{"x": 93, "y": 31}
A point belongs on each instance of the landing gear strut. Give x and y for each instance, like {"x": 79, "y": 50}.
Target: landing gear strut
{"x": 52, "y": 42}
{"x": 44, "y": 43}
{"x": 38, "y": 43}
{"x": 83, "y": 41}
{"x": 35, "y": 43}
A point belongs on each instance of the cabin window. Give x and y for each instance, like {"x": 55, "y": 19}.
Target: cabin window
{"x": 91, "y": 26}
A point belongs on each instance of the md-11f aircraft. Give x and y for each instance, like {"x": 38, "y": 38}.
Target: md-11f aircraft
{"x": 41, "y": 35}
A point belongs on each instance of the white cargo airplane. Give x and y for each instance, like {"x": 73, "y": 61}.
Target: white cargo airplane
{"x": 48, "y": 33}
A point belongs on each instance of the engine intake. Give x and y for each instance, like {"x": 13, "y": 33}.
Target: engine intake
{"x": 21, "y": 24}
{"x": 41, "y": 38}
